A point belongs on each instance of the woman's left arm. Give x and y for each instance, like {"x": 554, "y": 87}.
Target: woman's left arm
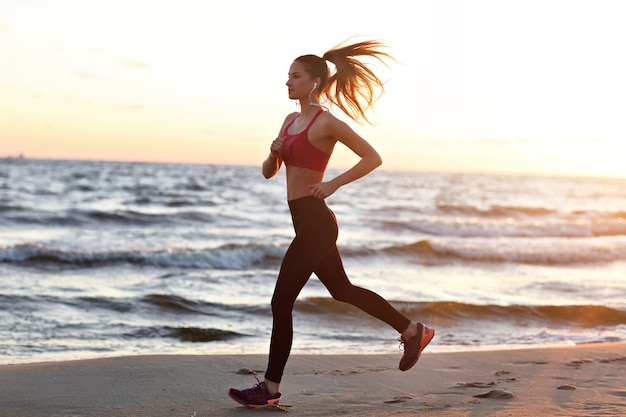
{"x": 370, "y": 159}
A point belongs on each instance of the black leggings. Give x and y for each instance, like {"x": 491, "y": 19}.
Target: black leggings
{"x": 314, "y": 250}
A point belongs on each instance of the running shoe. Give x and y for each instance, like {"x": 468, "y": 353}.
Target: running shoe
{"x": 255, "y": 397}
{"x": 414, "y": 346}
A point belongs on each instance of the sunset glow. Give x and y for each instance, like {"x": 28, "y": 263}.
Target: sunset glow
{"x": 484, "y": 86}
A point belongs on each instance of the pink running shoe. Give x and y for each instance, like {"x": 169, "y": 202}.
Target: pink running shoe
{"x": 255, "y": 397}
{"x": 414, "y": 346}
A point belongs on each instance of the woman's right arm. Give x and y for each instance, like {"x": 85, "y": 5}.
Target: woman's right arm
{"x": 272, "y": 163}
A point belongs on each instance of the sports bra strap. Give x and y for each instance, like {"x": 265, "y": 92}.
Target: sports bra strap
{"x": 309, "y": 125}
{"x": 315, "y": 118}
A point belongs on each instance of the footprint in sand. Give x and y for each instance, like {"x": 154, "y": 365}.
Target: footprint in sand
{"x": 577, "y": 363}
{"x": 276, "y": 408}
{"x": 496, "y": 394}
{"x": 247, "y": 371}
{"x": 609, "y": 360}
{"x": 400, "y": 399}
{"x": 475, "y": 384}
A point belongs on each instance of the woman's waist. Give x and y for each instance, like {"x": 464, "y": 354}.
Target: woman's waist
{"x": 312, "y": 215}
{"x": 299, "y": 182}
{"x": 292, "y": 196}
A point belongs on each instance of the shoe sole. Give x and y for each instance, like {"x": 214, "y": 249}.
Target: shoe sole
{"x": 274, "y": 402}
{"x": 422, "y": 346}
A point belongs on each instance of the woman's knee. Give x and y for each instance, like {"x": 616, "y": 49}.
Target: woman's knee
{"x": 343, "y": 294}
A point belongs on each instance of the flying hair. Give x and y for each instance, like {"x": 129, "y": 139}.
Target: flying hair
{"x": 353, "y": 87}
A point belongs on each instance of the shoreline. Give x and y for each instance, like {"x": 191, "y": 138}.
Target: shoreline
{"x": 582, "y": 380}
{"x": 452, "y": 349}
{"x": 436, "y": 349}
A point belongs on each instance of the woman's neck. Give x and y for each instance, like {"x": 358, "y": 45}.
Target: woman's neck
{"x": 309, "y": 108}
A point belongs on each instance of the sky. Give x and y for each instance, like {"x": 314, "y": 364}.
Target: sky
{"x": 533, "y": 87}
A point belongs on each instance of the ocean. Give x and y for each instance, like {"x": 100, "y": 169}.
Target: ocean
{"x": 102, "y": 259}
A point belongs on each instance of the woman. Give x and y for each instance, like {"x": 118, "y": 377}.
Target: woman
{"x": 304, "y": 144}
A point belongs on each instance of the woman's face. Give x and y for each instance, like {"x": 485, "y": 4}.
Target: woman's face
{"x": 299, "y": 83}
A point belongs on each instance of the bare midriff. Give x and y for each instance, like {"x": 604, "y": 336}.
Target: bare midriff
{"x": 299, "y": 180}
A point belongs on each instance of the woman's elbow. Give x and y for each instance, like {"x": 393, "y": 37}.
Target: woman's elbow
{"x": 267, "y": 173}
{"x": 377, "y": 160}
{"x": 269, "y": 170}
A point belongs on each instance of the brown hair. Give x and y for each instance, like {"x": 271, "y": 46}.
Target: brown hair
{"x": 353, "y": 87}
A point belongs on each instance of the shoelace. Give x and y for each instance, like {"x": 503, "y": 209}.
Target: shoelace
{"x": 402, "y": 342}
{"x": 257, "y": 389}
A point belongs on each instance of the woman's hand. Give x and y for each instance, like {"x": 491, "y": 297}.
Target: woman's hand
{"x": 322, "y": 190}
{"x": 272, "y": 163}
{"x": 277, "y": 146}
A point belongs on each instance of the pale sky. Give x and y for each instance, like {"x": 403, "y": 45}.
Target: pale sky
{"x": 482, "y": 86}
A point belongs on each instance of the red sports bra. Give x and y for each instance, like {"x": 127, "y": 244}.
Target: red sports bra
{"x": 299, "y": 152}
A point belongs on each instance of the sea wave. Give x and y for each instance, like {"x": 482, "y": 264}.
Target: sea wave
{"x": 443, "y": 313}
{"x": 184, "y": 334}
{"x": 494, "y": 211}
{"x": 464, "y": 221}
{"x": 20, "y": 215}
{"x": 235, "y": 256}
{"x": 533, "y": 252}
{"x": 590, "y": 225}
{"x": 230, "y": 256}
{"x": 527, "y": 212}
{"x": 450, "y": 313}
{"x": 148, "y": 305}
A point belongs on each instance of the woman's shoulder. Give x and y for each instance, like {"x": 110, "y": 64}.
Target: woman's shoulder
{"x": 330, "y": 121}
{"x": 291, "y": 116}
{"x": 326, "y": 117}
{"x": 331, "y": 127}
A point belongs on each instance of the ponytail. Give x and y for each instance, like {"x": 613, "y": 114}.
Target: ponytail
{"x": 353, "y": 87}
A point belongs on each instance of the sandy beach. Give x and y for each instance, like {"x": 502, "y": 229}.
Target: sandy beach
{"x": 584, "y": 380}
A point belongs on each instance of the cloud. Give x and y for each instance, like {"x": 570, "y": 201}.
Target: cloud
{"x": 130, "y": 63}
{"x": 4, "y": 28}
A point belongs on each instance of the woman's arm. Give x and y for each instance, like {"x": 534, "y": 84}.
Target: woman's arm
{"x": 370, "y": 159}
{"x": 272, "y": 163}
